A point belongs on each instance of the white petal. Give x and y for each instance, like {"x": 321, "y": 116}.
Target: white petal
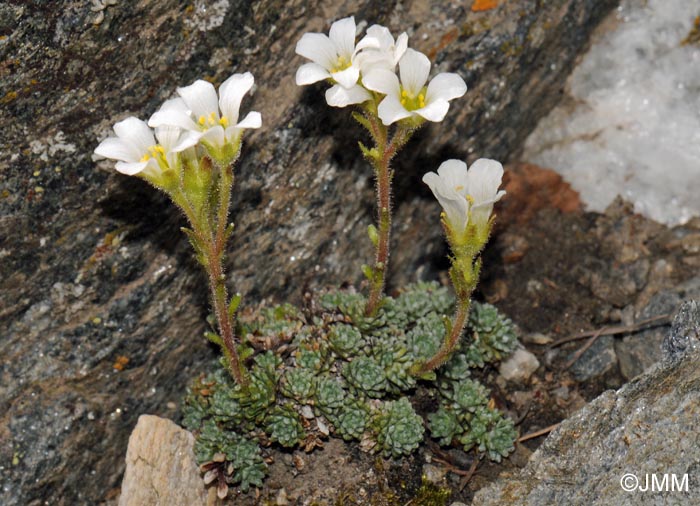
{"x": 337, "y": 96}
{"x": 434, "y": 111}
{"x": 310, "y": 73}
{"x": 454, "y": 205}
{"x": 135, "y": 131}
{"x": 252, "y": 120}
{"x": 414, "y": 68}
{"x": 383, "y": 81}
{"x": 200, "y": 98}
{"x": 168, "y": 136}
{"x": 377, "y": 36}
{"x": 231, "y": 93}
{"x": 446, "y": 86}
{"x": 400, "y": 47}
{"x": 484, "y": 179}
{"x": 455, "y": 176}
{"x": 215, "y": 136}
{"x": 173, "y": 112}
{"x": 117, "y": 149}
{"x": 390, "y": 110}
{"x": 347, "y": 78}
{"x": 342, "y": 34}
{"x": 130, "y": 169}
{"x": 318, "y": 48}
{"x": 188, "y": 140}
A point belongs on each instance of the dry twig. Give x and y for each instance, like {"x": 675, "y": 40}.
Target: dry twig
{"x": 538, "y": 433}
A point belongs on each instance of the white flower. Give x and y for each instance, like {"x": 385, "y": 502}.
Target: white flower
{"x": 206, "y": 117}
{"x": 136, "y": 150}
{"x": 467, "y": 195}
{"x": 378, "y": 49}
{"x": 333, "y": 57}
{"x": 410, "y": 97}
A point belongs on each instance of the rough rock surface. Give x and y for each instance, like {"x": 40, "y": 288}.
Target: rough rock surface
{"x": 161, "y": 469}
{"x": 101, "y": 305}
{"x": 650, "y": 426}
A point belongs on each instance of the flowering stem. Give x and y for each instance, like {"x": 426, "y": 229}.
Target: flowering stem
{"x": 215, "y": 269}
{"x": 448, "y": 346}
{"x": 385, "y": 152}
{"x": 464, "y": 274}
{"x": 209, "y": 240}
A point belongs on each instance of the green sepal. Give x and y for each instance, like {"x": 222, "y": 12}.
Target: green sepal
{"x": 233, "y": 305}
{"x": 373, "y": 235}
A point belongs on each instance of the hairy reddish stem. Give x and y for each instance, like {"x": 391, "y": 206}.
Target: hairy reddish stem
{"x": 445, "y": 351}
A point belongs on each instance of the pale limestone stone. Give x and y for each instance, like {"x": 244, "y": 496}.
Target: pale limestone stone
{"x": 161, "y": 469}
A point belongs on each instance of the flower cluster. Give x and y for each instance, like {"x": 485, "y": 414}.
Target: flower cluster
{"x": 197, "y": 117}
{"x": 190, "y": 158}
{"x": 366, "y": 71}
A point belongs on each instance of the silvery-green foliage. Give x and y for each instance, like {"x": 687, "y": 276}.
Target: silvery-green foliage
{"x": 243, "y": 453}
{"x": 418, "y": 300}
{"x": 355, "y": 372}
{"x": 345, "y": 340}
{"x": 312, "y": 356}
{"x": 493, "y": 335}
{"x": 298, "y": 384}
{"x": 399, "y": 429}
{"x": 261, "y": 392}
{"x": 444, "y": 426}
{"x": 425, "y": 338}
{"x": 283, "y": 426}
{"x": 366, "y": 375}
{"x": 352, "y": 420}
{"x": 330, "y": 395}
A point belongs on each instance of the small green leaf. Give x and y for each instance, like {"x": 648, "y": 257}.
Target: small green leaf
{"x": 362, "y": 120}
{"x": 233, "y": 305}
{"x": 368, "y": 272}
{"x": 245, "y": 352}
{"x": 214, "y": 338}
{"x": 228, "y": 231}
{"x": 373, "y": 235}
{"x": 448, "y": 325}
{"x": 366, "y": 152}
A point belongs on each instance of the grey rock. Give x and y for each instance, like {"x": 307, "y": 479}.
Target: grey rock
{"x": 685, "y": 332}
{"x": 597, "y": 361}
{"x": 101, "y": 304}
{"x": 161, "y": 469}
{"x": 639, "y": 351}
{"x": 650, "y": 426}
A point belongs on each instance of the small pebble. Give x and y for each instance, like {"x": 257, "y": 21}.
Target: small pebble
{"x": 434, "y": 474}
{"x": 519, "y": 366}
{"x": 282, "y": 498}
{"x": 537, "y": 338}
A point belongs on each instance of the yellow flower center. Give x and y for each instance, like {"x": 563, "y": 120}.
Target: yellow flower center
{"x": 206, "y": 122}
{"x": 157, "y": 152}
{"x": 342, "y": 64}
{"x": 412, "y": 102}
